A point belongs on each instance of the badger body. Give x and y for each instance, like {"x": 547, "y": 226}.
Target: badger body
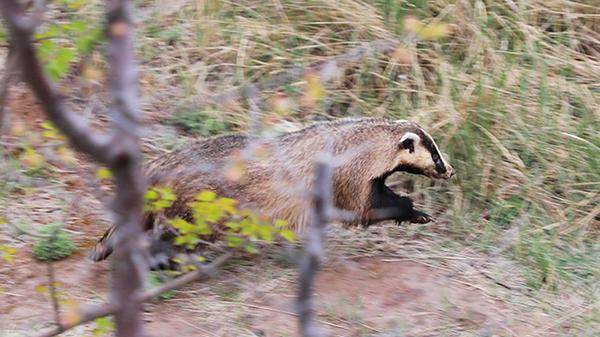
{"x": 274, "y": 174}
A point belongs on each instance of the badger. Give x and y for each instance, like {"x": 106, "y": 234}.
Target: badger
{"x": 274, "y": 179}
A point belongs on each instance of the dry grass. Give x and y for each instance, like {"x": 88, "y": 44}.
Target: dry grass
{"x": 512, "y": 95}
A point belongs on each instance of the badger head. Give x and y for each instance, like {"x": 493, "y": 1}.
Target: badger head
{"x": 416, "y": 152}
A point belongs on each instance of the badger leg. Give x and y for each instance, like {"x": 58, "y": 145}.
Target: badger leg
{"x": 387, "y": 205}
{"x": 162, "y": 250}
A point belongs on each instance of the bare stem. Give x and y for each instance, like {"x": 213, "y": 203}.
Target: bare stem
{"x": 314, "y": 250}
{"x": 53, "y": 294}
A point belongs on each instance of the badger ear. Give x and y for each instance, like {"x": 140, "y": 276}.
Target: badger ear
{"x": 408, "y": 141}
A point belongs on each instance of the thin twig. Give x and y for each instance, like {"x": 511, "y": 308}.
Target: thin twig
{"x": 53, "y": 294}
{"x": 202, "y": 271}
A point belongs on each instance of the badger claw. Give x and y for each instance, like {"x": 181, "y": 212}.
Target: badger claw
{"x": 421, "y": 217}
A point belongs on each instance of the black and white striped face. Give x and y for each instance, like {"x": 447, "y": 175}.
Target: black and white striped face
{"x": 418, "y": 153}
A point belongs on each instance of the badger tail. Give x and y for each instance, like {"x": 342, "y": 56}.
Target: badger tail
{"x": 104, "y": 246}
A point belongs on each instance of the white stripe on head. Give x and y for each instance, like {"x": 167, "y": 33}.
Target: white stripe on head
{"x": 437, "y": 149}
{"x": 410, "y": 135}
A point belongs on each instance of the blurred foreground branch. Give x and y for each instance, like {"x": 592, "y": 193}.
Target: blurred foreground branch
{"x": 322, "y": 212}
{"x": 5, "y": 85}
{"x": 119, "y": 151}
{"x": 314, "y": 250}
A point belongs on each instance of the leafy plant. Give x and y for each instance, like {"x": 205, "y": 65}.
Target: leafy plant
{"x": 53, "y": 244}
{"x": 241, "y": 226}
{"x": 219, "y": 217}
{"x": 61, "y": 43}
{"x": 158, "y": 198}
{"x": 199, "y": 123}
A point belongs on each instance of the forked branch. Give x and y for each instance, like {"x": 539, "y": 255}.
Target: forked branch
{"x": 120, "y": 150}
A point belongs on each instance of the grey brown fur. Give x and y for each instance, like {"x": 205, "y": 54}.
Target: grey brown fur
{"x": 275, "y": 183}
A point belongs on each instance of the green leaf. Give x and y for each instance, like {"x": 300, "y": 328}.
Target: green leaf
{"x": 182, "y": 225}
{"x": 180, "y": 240}
{"x": 150, "y": 195}
{"x": 227, "y": 205}
{"x": 75, "y": 26}
{"x": 104, "y": 325}
{"x": 161, "y": 204}
{"x": 167, "y": 194}
{"x": 56, "y": 243}
{"x": 233, "y": 225}
{"x": 63, "y": 58}
{"x": 206, "y": 196}
{"x": 288, "y": 235}
{"x": 103, "y": 173}
{"x": 250, "y": 248}
{"x": 280, "y": 223}
{"x": 233, "y": 241}
{"x": 85, "y": 43}
{"x": 203, "y": 228}
{"x": 265, "y": 233}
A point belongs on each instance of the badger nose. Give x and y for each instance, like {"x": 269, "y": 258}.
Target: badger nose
{"x": 451, "y": 172}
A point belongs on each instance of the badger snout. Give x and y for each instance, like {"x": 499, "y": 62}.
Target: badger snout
{"x": 449, "y": 172}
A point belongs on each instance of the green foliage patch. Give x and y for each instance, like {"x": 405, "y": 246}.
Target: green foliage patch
{"x": 218, "y": 217}
{"x": 199, "y": 123}
{"x": 53, "y": 244}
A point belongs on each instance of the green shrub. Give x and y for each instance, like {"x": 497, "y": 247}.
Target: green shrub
{"x": 198, "y": 123}
{"x": 54, "y": 244}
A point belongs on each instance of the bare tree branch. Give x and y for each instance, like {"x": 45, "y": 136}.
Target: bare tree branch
{"x": 120, "y": 151}
{"x": 314, "y": 250}
{"x": 128, "y": 273}
{"x": 5, "y": 84}
{"x": 85, "y": 315}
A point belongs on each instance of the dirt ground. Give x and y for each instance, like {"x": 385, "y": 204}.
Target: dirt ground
{"x": 374, "y": 283}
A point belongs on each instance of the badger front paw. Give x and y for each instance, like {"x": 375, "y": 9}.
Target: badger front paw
{"x": 420, "y": 217}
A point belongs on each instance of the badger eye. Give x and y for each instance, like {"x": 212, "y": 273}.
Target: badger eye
{"x": 408, "y": 144}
